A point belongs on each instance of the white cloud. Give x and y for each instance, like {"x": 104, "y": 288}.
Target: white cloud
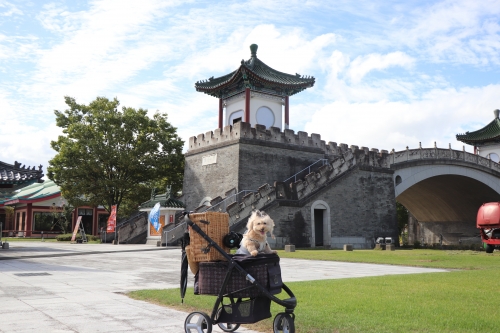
{"x": 439, "y": 116}
{"x": 463, "y": 32}
{"x": 362, "y": 65}
{"x": 150, "y": 54}
{"x": 9, "y": 9}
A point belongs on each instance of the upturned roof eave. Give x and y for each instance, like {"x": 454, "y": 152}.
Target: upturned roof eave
{"x": 489, "y": 133}
{"x": 247, "y": 67}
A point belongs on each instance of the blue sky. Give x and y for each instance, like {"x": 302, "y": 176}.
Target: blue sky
{"x": 389, "y": 74}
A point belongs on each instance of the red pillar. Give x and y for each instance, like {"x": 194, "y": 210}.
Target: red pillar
{"x": 29, "y": 219}
{"x": 247, "y": 105}
{"x": 220, "y": 113}
{"x": 287, "y": 112}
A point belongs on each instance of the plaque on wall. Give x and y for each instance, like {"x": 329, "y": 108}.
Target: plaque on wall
{"x": 209, "y": 159}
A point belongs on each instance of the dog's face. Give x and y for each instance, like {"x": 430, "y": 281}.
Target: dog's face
{"x": 260, "y": 224}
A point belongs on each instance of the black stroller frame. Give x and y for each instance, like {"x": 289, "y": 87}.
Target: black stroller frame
{"x": 200, "y": 322}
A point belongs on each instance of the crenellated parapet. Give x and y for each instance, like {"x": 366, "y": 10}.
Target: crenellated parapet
{"x": 242, "y": 130}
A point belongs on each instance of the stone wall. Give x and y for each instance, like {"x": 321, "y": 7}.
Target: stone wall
{"x": 244, "y": 158}
{"x": 356, "y": 186}
{"x": 208, "y": 179}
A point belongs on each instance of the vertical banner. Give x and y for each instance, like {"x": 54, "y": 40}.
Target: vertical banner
{"x": 77, "y": 225}
{"x": 112, "y": 220}
{"x": 154, "y": 217}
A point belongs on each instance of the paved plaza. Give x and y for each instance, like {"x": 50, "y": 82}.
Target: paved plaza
{"x": 61, "y": 287}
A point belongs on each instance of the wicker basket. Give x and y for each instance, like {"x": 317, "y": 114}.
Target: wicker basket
{"x": 193, "y": 266}
{"x": 216, "y": 228}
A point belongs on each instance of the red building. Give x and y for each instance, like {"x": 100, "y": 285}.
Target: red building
{"x": 30, "y": 205}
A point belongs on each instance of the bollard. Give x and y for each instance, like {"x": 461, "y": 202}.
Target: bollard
{"x": 347, "y": 247}
{"x": 289, "y": 248}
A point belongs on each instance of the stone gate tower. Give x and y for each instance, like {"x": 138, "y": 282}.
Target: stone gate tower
{"x": 318, "y": 194}
{"x": 256, "y": 97}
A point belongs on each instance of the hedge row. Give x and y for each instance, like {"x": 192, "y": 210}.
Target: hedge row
{"x": 67, "y": 237}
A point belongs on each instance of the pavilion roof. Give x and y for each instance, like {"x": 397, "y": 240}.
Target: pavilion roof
{"x": 489, "y": 133}
{"x": 33, "y": 192}
{"x": 166, "y": 201}
{"x": 257, "y": 76}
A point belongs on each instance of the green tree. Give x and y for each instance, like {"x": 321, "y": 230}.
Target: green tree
{"x": 402, "y": 214}
{"x": 111, "y": 157}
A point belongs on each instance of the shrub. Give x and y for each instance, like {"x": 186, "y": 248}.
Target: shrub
{"x": 417, "y": 245}
{"x": 67, "y": 237}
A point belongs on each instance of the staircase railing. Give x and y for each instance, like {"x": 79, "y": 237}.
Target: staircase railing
{"x": 307, "y": 170}
{"x": 222, "y": 206}
{"x": 177, "y": 232}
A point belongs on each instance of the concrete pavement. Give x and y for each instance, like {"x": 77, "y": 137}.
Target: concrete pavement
{"x": 61, "y": 287}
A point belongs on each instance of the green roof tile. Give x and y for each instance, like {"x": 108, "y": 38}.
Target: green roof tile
{"x": 257, "y": 75}
{"x": 164, "y": 201}
{"x": 489, "y": 133}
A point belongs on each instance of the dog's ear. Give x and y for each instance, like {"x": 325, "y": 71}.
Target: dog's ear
{"x": 250, "y": 220}
{"x": 270, "y": 224}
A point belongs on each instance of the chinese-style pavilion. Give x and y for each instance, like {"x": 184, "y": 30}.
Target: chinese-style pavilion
{"x": 254, "y": 93}
{"x": 486, "y": 141}
{"x": 168, "y": 207}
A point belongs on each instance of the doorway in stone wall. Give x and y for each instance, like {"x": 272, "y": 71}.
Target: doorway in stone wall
{"x": 321, "y": 230}
{"x": 318, "y": 227}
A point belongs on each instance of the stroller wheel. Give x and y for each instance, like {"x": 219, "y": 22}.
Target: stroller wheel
{"x": 283, "y": 323}
{"x": 198, "y": 322}
{"x": 226, "y": 327}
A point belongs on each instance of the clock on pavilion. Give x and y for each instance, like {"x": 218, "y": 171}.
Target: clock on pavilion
{"x": 254, "y": 93}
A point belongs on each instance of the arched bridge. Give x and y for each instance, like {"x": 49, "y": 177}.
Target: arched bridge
{"x": 443, "y": 189}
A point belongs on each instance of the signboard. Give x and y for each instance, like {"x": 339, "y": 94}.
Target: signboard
{"x": 209, "y": 159}
{"x": 112, "y": 220}
{"x": 77, "y": 225}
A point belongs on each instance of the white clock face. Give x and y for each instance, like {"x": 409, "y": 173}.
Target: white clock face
{"x": 265, "y": 116}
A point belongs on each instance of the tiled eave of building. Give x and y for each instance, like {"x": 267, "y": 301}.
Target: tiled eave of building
{"x": 16, "y": 174}
{"x": 257, "y": 74}
{"x": 164, "y": 203}
{"x": 28, "y": 200}
{"x": 33, "y": 193}
{"x": 488, "y": 134}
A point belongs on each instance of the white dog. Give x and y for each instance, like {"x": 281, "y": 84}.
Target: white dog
{"x": 255, "y": 239}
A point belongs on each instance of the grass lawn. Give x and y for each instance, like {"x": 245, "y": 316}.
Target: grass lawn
{"x": 466, "y": 299}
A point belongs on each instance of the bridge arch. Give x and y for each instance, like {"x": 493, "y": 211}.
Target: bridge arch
{"x": 445, "y": 195}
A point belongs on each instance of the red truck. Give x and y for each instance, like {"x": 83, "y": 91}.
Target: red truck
{"x": 488, "y": 223}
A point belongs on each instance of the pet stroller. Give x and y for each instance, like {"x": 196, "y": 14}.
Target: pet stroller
{"x": 244, "y": 286}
